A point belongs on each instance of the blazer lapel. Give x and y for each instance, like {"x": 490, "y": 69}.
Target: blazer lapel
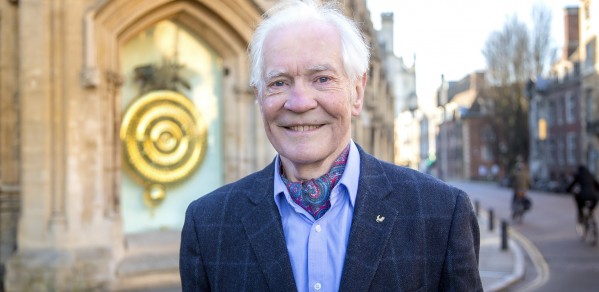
{"x": 263, "y": 227}
{"x": 371, "y": 227}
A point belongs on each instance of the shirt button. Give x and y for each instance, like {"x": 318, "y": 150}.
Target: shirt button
{"x": 317, "y": 286}
{"x": 318, "y": 228}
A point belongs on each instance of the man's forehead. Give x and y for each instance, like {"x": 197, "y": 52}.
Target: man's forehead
{"x": 300, "y": 31}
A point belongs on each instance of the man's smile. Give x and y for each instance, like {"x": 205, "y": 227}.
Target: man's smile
{"x": 303, "y": 128}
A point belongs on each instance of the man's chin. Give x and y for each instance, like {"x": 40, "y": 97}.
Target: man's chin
{"x": 302, "y": 155}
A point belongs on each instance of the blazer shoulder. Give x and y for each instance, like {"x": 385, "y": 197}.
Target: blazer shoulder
{"x": 382, "y": 175}
{"x": 406, "y": 181}
{"x": 250, "y": 185}
{"x": 417, "y": 177}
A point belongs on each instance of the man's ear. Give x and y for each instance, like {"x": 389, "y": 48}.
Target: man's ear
{"x": 358, "y": 100}
{"x": 255, "y": 92}
{"x": 257, "y": 97}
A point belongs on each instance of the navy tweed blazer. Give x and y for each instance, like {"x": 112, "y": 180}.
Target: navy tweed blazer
{"x": 233, "y": 240}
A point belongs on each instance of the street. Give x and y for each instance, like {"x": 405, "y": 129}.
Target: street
{"x": 564, "y": 262}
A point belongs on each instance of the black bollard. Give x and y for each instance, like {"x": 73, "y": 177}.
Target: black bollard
{"x": 504, "y": 235}
{"x": 477, "y": 207}
{"x": 491, "y": 220}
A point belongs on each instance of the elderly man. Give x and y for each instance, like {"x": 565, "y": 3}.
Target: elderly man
{"x": 325, "y": 215}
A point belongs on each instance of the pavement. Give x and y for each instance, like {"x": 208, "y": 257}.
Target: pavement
{"x": 501, "y": 264}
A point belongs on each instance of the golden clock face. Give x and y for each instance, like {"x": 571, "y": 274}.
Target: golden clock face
{"x": 164, "y": 137}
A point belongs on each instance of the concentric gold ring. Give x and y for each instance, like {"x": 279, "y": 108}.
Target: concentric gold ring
{"x": 164, "y": 137}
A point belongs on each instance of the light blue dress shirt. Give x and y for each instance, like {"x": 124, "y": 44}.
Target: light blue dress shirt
{"x": 317, "y": 247}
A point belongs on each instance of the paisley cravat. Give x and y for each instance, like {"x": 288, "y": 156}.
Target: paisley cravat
{"x": 313, "y": 195}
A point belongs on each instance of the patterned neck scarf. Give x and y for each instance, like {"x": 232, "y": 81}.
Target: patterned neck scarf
{"x": 313, "y": 195}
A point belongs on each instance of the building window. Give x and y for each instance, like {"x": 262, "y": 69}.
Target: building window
{"x": 542, "y": 129}
{"x": 589, "y": 62}
{"x": 592, "y": 156}
{"x": 559, "y": 111}
{"x": 571, "y": 151}
{"x": 552, "y": 151}
{"x": 589, "y": 105}
{"x": 560, "y": 152}
{"x": 551, "y": 118}
{"x": 570, "y": 108}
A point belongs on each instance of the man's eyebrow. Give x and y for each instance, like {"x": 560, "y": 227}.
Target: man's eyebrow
{"x": 275, "y": 73}
{"x": 311, "y": 70}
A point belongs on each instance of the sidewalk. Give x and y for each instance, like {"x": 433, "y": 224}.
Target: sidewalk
{"x": 498, "y": 268}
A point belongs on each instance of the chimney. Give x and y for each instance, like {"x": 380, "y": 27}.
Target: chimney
{"x": 571, "y": 30}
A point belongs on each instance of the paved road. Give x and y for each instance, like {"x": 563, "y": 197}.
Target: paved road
{"x": 564, "y": 262}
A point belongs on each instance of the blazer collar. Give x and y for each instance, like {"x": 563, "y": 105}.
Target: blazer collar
{"x": 263, "y": 227}
{"x": 371, "y": 227}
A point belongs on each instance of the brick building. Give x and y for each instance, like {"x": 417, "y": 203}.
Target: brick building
{"x": 465, "y": 137}
{"x": 588, "y": 51}
{"x": 556, "y": 115}
{"x": 563, "y": 107}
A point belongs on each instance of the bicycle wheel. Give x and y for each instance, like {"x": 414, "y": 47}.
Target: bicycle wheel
{"x": 592, "y": 231}
{"x": 580, "y": 230}
{"x": 517, "y": 212}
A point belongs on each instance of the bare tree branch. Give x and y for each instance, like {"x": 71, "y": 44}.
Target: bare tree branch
{"x": 510, "y": 66}
{"x": 542, "y": 53}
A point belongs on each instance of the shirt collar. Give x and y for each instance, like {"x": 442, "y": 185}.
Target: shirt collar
{"x": 349, "y": 179}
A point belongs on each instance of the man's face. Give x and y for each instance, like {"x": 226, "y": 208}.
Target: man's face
{"x": 307, "y": 101}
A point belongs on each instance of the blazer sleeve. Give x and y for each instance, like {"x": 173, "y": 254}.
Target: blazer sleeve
{"x": 191, "y": 266}
{"x": 460, "y": 269}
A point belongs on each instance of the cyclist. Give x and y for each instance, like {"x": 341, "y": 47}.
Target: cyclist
{"x": 587, "y": 190}
{"x": 520, "y": 184}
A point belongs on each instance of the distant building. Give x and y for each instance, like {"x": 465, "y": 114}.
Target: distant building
{"x": 465, "y": 138}
{"x": 556, "y": 129}
{"x": 556, "y": 117}
{"x": 403, "y": 90}
{"x": 403, "y": 77}
{"x": 589, "y": 61}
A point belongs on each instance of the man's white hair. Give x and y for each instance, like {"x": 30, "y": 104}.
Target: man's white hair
{"x": 355, "y": 51}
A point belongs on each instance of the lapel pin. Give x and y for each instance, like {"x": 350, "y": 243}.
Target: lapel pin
{"x": 379, "y": 219}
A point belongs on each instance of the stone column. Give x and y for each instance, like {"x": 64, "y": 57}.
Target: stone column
{"x": 65, "y": 240}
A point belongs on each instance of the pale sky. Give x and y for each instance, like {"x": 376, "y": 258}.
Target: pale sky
{"x": 447, "y": 36}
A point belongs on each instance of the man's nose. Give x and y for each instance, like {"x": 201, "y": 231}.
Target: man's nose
{"x": 301, "y": 98}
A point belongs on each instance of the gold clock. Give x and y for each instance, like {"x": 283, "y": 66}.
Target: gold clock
{"x": 164, "y": 138}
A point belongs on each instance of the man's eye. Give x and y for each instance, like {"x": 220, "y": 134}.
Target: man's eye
{"x": 277, "y": 86}
{"x": 323, "y": 79}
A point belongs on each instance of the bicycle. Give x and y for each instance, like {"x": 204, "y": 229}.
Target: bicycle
{"x": 519, "y": 207}
{"x": 588, "y": 229}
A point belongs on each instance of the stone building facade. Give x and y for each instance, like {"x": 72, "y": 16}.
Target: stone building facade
{"x": 589, "y": 59}
{"x": 403, "y": 88}
{"x": 76, "y": 214}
